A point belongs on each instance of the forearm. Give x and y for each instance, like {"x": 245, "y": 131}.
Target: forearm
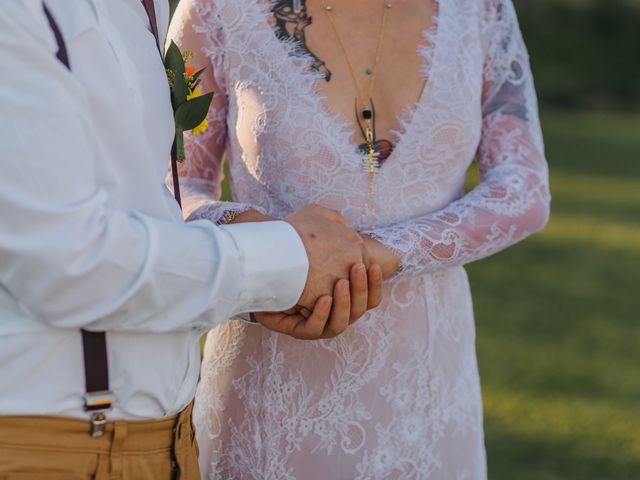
{"x": 510, "y": 204}
{"x": 127, "y": 271}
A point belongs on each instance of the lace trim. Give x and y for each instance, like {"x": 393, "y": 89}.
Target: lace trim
{"x": 218, "y": 211}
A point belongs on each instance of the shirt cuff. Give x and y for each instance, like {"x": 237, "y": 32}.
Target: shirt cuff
{"x": 274, "y": 263}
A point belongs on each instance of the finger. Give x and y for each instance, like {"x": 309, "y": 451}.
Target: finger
{"x": 374, "y": 279}
{"x": 313, "y": 327}
{"x": 359, "y": 291}
{"x": 305, "y": 312}
{"x": 341, "y": 311}
{"x": 296, "y": 325}
{"x": 366, "y": 256}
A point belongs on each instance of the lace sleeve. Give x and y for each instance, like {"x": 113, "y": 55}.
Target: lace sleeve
{"x": 195, "y": 27}
{"x": 512, "y": 199}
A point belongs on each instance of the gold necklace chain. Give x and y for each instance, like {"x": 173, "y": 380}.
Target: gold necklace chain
{"x": 374, "y": 71}
{"x": 371, "y": 162}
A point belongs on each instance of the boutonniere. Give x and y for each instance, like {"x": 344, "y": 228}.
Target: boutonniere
{"x": 190, "y": 105}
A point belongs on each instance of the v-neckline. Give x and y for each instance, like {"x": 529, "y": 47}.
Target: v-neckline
{"x": 425, "y": 50}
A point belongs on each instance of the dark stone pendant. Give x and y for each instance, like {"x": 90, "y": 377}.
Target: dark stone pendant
{"x": 383, "y": 149}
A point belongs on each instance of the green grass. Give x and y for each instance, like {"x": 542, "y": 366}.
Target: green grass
{"x": 583, "y": 51}
{"x": 559, "y": 316}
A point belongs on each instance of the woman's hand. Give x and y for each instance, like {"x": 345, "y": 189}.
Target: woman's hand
{"x": 382, "y": 255}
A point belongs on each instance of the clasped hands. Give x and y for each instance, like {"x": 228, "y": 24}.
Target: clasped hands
{"x": 345, "y": 276}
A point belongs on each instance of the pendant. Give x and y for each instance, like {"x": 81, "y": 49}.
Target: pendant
{"x": 370, "y": 162}
{"x": 382, "y": 149}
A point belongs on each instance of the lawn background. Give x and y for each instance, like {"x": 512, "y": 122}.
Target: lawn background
{"x": 557, "y": 315}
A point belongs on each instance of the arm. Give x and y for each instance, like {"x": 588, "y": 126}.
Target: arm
{"x": 70, "y": 258}
{"x": 512, "y": 199}
{"x": 194, "y": 28}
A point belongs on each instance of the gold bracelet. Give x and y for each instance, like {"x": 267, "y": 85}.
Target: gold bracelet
{"x": 229, "y": 217}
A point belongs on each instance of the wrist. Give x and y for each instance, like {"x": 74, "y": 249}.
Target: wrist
{"x": 384, "y": 256}
{"x": 250, "y": 215}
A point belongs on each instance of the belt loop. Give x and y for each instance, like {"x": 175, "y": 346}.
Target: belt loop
{"x": 119, "y": 436}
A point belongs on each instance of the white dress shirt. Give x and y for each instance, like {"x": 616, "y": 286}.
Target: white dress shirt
{"x": 89, "y": 235}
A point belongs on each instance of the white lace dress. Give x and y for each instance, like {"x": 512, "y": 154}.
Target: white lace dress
{"x": 398, "y": 395}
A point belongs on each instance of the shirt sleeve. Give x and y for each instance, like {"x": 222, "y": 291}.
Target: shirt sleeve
{"x": 72, "y": 259}
{"x": 512, "y": 198}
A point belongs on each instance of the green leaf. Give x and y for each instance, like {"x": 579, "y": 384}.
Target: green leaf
{"x": 173, "y": 61}
{"x": 196, "y": 77}
{"x": 198, "y": 73}
{"x": 191, "y": 113}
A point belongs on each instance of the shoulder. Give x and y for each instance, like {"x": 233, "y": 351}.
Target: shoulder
{"x": 499, "y": 21}
{"x": 487, "y": 13}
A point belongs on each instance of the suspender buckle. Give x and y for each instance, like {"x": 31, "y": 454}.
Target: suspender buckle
{"x": 98, "y": 404}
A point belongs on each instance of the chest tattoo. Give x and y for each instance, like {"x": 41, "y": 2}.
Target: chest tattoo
{"x": 291, "y": 18}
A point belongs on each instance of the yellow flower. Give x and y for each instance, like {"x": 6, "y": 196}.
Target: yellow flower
{"x": 202, "y": 127}
{"x": 195, "y": 93}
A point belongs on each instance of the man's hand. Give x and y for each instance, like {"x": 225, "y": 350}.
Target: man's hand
{"x": 330, "y": 316}
{"x": 332, "y": 247}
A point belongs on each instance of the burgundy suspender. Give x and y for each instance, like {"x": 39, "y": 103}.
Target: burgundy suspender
{"x": 98, "y": 399}
{"x": 62, "y": 48}
{"x": 150, "y": 7}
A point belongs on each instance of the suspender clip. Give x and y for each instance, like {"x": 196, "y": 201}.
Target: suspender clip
{"x": 98, "y": 404}
{"x": 97, "y": 424}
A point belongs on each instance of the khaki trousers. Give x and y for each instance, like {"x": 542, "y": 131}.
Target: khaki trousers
{"x": 57, "y": 448}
